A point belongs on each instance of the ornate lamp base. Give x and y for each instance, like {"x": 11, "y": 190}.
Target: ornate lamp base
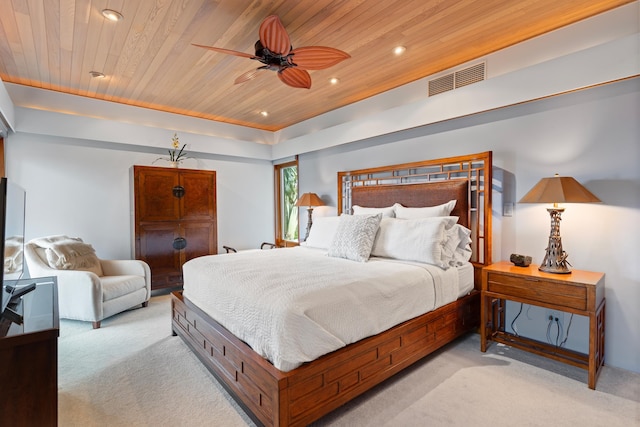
{"x": 555, "y": 259}
{"x": 309, "y": 222}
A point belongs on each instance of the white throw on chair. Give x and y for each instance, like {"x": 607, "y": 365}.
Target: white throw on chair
{"x": 89, "y": 288}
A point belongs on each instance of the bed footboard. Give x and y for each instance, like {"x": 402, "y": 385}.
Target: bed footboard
{"x": 298, "y": 397}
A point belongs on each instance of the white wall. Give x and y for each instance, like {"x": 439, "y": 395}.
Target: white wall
{"x": 592, "y": 135}
{"x": 83, "y": 188}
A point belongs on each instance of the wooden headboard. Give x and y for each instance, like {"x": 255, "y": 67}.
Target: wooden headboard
{"x": 417, "y": 195}
{"x": 467, "y": 179}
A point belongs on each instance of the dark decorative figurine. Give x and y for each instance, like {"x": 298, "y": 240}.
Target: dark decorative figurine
{"x": 520, "y": 260}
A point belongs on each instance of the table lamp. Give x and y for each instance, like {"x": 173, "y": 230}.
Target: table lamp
{"x": 309, "y": 200}
{"x": 557, "y": 189}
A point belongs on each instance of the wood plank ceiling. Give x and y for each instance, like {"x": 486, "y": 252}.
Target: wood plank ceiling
{"x": 148, "y": 59}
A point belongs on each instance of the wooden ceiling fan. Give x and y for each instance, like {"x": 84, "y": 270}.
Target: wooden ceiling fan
{"x": 275, "y": 51}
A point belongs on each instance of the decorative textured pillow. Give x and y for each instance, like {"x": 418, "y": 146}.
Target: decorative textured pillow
{"x": 354, "y": 237}
{"x": 418, "y": 239}
{"x": 322, "y": 231}
{"x": 387, "y": 212}
{"x": 426, "y": 212}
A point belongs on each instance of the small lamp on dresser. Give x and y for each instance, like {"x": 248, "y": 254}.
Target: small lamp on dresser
{"x": 557, "y": 189}
{"x": 309, "y": 200}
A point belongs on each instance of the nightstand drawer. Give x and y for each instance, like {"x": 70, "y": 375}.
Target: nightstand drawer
{"x": 540, "y": 290}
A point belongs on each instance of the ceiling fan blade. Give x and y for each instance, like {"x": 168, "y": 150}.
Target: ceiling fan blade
{"x": 274, "y": 36}
{"x": 227, "y": 51}
{"x": 317, "y": 57}
{"x": 295, "y": 77}
{"x": 249, "y": 75}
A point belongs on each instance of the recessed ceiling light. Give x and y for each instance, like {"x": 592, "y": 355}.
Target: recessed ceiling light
{"x": 334, "y": 80}
{"x": 399, "y": 50}
{"x": 112, "y": 15}
{"x": 264, "y": 113}
{"x": 96, "y": 74}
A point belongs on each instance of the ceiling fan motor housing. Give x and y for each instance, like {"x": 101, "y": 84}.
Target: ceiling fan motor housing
{"x": 273, "y": 61}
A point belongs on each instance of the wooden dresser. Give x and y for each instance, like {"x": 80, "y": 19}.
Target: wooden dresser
{"x": 29, "y": 358}
{"x": 175, "y": 219}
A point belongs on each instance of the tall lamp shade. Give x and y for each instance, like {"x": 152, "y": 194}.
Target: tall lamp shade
{"x": 309, "y": 200}
{"x": 557, "y": 189}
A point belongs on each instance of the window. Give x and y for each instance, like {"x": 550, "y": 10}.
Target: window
{"x": 286, "y": 185}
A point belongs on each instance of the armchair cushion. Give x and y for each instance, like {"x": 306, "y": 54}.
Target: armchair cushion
{"x": 117, "y": 286}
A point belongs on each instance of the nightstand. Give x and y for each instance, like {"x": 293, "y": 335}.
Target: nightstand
{"x": 579, "y": 292}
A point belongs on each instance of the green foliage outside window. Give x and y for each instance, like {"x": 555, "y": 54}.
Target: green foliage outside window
{"x": 290, "y": 196}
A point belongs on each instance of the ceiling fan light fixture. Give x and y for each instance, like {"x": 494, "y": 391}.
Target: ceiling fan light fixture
{"x": 97, "y": 74}
{"x": 274, "y": 50}
{"x": 399, "y": 50}
{"x": 112, "y": 15}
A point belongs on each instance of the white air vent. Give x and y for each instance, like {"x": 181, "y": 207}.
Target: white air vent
{"x": 464, "y": 77}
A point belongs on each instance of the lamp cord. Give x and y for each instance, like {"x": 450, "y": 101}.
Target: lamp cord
{"x": 514, "y": 328}
{"x": 567, "y": 334}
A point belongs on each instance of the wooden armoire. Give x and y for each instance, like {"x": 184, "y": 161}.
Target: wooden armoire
{"x": 175, "y": 219}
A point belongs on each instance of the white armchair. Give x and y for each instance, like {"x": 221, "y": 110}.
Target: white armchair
{"x": 85, "y": 295}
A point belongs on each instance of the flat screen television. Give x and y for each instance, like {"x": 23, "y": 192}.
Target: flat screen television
{"x": 12, "y": 220}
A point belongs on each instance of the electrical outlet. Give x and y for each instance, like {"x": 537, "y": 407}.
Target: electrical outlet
{"x": 553, "y": 315}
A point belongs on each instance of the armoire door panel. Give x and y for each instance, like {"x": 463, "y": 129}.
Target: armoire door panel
{"x": 156, "y": 249}
{"x": 200, "y": 238}
{"x": 155, "y": 199}
{"x": 199, "y": 201}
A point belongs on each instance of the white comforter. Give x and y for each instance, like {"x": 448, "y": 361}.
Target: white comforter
{"x": 294, "y": 305}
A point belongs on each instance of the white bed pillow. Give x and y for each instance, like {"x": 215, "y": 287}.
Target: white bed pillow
{"x": 461, "y": 256}
{"x": 426, "y": 212}
{"x": 387, "y": 212}
{"x": 418, "y": 239}
{"x": 354, "y": 237}
{"x": 457, "y": 245}
{"x": 322, "y": 231}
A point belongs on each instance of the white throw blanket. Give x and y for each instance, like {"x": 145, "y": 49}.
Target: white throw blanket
{"x": 69, "y": 253}
{"x": 64, "y": 247}
{"x": 294, "y": 305}
{"x": 13, "y": 255}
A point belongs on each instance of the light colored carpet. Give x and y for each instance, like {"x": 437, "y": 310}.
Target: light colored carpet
{"x": 132, "y": 372}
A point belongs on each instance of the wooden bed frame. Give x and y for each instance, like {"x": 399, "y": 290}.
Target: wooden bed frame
{"x": 298, "y": 397}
